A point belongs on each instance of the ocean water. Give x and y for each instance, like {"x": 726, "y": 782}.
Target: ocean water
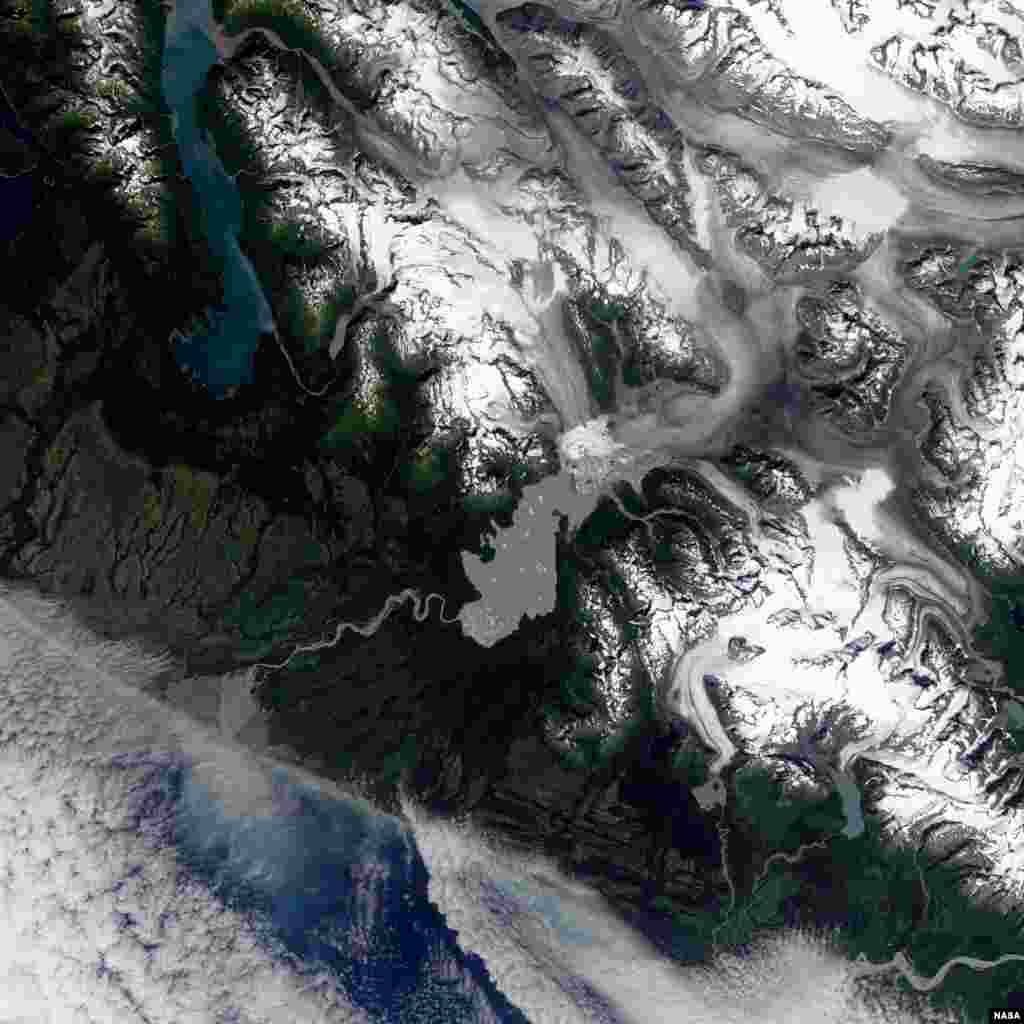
{"x": 154, "y": 870}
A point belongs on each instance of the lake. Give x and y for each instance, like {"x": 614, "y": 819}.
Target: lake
{"x": 220, "y": 354}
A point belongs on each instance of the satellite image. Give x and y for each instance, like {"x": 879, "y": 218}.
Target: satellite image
{"x": 511, "y": 513}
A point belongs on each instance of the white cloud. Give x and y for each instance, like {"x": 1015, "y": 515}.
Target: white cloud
{"x": 558, "y": 952}
{"x": 152, "y": 871}
{"x": 98, "y": 920}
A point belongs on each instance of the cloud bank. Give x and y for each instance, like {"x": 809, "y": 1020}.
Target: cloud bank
{"x": 153, "y": 872}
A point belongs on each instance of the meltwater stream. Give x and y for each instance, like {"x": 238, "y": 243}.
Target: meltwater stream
{"x": 157, "y": 871}
{"x": 220, "y": 354}
{"x": 184, "y": 878}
